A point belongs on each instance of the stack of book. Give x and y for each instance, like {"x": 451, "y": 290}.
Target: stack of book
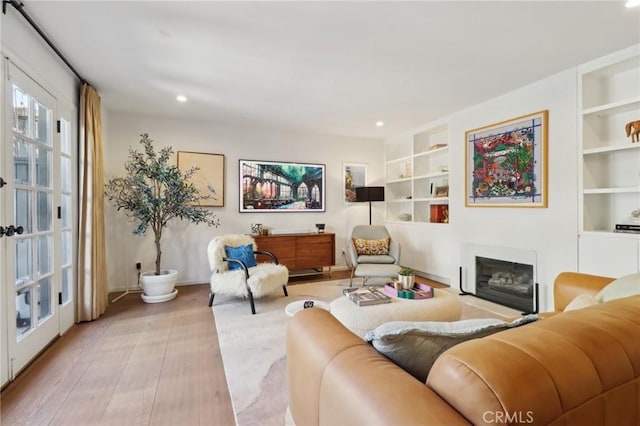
{"x": 366, "y": 296}
{"x": 629, "y": 225}
{"x": 627, "y": 228}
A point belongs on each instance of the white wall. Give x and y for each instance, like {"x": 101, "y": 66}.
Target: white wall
{"x": 184, "y": 245}
{"x": 552, "y": 231}
{"x": 26, "y": 49}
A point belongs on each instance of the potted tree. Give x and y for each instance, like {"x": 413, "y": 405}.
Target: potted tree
{"x": 152, "y": 193}
{"x": 406, "y": 278}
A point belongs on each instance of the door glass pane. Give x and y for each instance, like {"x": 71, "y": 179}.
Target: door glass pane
{"x": 66, "y": 210}
{"x": 44, "y": 255}
{"x": 65, "y": 174}
{"x": 66, "y": 285}
{"x": 21, "y": 161}
{"x": 22, "y": 213}
{"x": 23, "y": 311}
{"x": 65, "y": 137}
{"x": 43, "y": 120}
{"x": 66, "y": 247}
{"x": 43, "y": 200}
{"x": 21, "y": 102}
{"x": 23, "y": 261}
{"x": 43, "y": 167}
{"x": 44, "y": 298}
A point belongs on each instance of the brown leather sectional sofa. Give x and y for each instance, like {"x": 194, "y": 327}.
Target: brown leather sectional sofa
{"x": 577, "y": 368}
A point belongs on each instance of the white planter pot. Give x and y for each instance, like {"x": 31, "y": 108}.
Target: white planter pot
{"x": 159, "y": 288}
{"x": 406, "y": 281}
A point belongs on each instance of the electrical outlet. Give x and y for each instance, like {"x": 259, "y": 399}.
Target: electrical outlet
{"x": 138, "y": 266}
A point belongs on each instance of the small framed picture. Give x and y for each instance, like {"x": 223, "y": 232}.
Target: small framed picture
{"x": 441, "y": 191}
{"x": 354, "y": 175}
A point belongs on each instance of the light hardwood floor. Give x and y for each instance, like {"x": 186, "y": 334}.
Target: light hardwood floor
{"x": 139, "y": 364}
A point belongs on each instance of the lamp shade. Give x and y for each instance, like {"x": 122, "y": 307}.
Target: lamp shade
{"x": 370, "y": 193}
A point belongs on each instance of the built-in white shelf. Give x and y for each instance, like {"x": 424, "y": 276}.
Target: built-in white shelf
{"x": 588, "y": 191}
{"x": 614, "y": 107}
{"x": 611, "y": 148}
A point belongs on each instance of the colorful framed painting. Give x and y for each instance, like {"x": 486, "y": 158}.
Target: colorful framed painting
{"x": 354, "y": 175}
{"x": 209, "y": 178}
{"x": 506, "y": 163}
{"x": 271, "y": 187}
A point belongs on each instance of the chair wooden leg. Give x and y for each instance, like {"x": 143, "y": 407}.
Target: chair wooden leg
{"x": 284, "y": 288}
{"x": 211, "y": 298}
{"x": 351, "y": 278}
{"x": 253, "y": 306}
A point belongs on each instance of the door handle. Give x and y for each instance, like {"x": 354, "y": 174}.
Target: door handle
{"x": 10, "y": 230}
{"x": 2, "y": 182}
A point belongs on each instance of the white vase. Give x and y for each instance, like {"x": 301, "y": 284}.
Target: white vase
{"x": 406, "y": 281}
{"x": 159, "y": 288}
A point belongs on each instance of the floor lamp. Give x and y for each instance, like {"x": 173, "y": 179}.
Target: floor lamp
{"x": 370, "y": 193}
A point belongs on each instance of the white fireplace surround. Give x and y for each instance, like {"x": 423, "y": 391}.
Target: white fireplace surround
{"x": 507, "y": 254}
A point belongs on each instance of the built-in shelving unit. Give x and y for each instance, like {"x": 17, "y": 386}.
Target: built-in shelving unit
{"x": 609, "y": 180}
{"x": 417, "y": 176}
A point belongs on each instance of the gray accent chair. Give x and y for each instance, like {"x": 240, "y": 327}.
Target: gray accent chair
{"x": 368, "y": 266}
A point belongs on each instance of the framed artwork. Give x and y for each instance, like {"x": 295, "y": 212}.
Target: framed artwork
{"x": 209, "y": 178}
{"x": 270, "y": 187}
{"x": 506, "y": 163}
{"x": 441, "y": 191}
{"x": 354, "y": 175}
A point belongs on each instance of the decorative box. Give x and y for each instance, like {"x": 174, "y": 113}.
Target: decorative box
{"x": 419, "y": 291}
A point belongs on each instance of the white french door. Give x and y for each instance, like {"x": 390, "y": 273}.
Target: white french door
{"x": 38, "y": 203}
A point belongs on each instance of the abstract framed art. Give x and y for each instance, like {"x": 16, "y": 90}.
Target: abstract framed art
{"x": 270, "y": 187}
{"x": 506, "y": 163}
{"x": 354, "y": 175}
{"x": 209, "y": 178}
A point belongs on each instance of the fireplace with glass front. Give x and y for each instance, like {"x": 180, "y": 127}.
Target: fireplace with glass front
{"x": 501, "y": 275}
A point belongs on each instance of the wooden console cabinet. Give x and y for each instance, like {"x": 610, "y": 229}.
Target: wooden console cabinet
{"x": 301, "y": 253}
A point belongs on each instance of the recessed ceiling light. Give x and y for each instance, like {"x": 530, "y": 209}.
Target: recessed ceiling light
{"x": 632, "y": 3}
{"x": 379, "y": 123}
{"x": 181, "y": 98}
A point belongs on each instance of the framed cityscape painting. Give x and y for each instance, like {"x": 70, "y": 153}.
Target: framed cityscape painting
{"x": 506, "y": 163}
{"x": 354, "y": 175}
{"x": 209, "y": 178}
{"x": 271, "y": 187}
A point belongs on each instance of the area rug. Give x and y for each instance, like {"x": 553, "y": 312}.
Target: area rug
{"x": 253, "y": 349}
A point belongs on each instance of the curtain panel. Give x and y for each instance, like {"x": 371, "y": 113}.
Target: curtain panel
{"x": 92, "y": 273}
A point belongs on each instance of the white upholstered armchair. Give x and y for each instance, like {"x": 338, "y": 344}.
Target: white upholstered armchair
{"x": 236, "y": 273}
{"x": 371, "y": 252}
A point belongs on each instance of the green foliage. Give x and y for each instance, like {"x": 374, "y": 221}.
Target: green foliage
{"x": 153, "y": 192}
{"x": 405, "y": 271}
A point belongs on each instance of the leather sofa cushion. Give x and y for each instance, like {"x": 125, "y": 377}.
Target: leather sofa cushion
{"x": 414, "y": 346}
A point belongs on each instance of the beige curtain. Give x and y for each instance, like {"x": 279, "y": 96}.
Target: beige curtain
{"x": 92, "y": 273}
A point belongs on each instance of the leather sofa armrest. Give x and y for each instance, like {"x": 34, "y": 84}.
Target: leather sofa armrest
{"x": 335, "y": 377}
{"x": 568, "y": 285}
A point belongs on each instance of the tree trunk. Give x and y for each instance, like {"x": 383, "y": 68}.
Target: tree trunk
{"x": 158, "y": 252}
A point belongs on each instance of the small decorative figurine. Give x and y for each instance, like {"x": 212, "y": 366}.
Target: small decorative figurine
{"x": 633, "y": 129}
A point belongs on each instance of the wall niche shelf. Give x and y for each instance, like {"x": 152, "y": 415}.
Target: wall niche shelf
{"x": 609, "y": 163}
{"x": 418, "y": 163}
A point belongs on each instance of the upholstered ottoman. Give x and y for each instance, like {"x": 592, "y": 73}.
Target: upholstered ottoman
{"x": 443, "y": 306}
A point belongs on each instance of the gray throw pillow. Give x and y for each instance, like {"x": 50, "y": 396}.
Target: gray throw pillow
{"x": 414, "y": 346}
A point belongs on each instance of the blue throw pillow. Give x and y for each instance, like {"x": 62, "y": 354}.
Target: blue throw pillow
{"x": 243, "y": 253}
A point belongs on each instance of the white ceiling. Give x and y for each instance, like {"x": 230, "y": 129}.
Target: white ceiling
{"x": 325, "y": 67}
